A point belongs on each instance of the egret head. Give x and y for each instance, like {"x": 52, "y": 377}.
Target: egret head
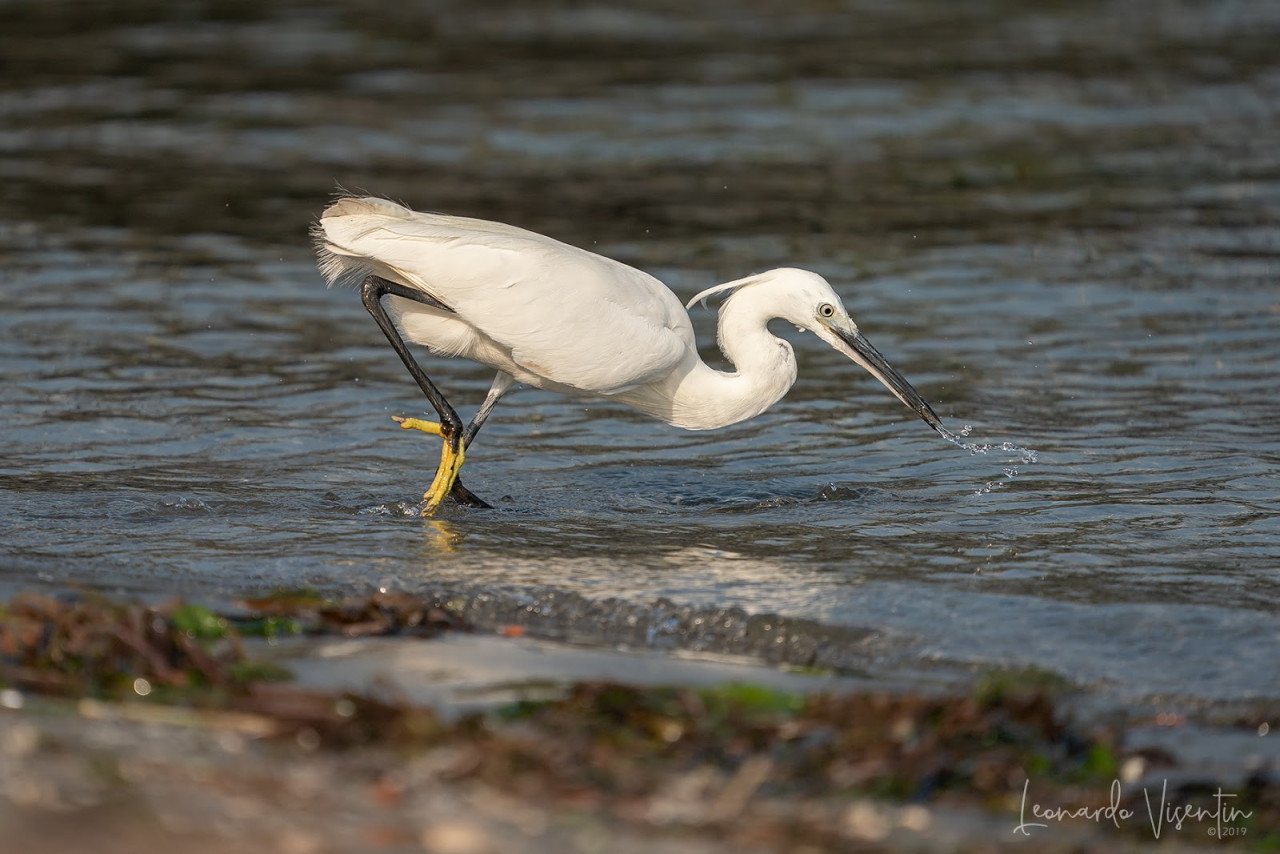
{"x": 808, "y": 301}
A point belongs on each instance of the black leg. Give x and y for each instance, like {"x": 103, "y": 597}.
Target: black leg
{"x": 502, "y": 384}
{"x": 372, "y": 292}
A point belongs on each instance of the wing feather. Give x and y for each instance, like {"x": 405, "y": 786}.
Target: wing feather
{"x": 564, "y": 314}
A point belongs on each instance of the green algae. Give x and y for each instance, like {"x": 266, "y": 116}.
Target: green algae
{"x": 606, "y": 744}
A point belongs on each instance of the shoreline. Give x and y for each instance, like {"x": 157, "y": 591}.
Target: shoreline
{"x": 689, "y": 758}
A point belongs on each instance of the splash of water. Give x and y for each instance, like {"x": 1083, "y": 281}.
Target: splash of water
{"x": 1025, "y": 455}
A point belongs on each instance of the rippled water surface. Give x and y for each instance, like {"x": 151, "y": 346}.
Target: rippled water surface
{"x": 1062, "y": 226}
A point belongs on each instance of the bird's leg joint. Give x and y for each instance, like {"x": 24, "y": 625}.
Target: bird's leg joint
{"x": 374, "y": 288}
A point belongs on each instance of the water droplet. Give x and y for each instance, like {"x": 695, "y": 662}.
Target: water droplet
{"x": 1025, "y": 455}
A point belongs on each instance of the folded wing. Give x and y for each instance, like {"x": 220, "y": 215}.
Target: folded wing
{"x": 565, "y": 314}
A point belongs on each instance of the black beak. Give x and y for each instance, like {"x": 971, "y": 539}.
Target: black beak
{"x": 860, "y": 350}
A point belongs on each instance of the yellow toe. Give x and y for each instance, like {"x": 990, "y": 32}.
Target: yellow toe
{"x": 418, "y": 424}
{"x": 446, "y": 474}
{"x": 450, "y": 462}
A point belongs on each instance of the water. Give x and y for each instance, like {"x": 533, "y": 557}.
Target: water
{"x": 1063, "y": 227}
{"x": 1025, "y": 456}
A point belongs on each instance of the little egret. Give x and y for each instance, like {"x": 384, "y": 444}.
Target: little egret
{"x": 559, "y": 318}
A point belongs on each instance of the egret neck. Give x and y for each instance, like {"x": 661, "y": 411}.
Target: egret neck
{"x": 699, "y": 397}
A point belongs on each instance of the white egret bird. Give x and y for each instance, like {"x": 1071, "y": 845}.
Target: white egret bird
{"x": 559, "y": 318}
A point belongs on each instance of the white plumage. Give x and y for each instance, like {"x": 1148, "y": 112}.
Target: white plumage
{"x": 556, "y": 317}
{"x": 515, "y": 295}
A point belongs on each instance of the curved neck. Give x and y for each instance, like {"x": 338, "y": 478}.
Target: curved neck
{"x": 699, "y": 397}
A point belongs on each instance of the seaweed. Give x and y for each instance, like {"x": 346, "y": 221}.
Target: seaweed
{"x": 711, "y": 758}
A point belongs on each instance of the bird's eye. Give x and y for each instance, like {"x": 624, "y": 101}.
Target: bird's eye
{"x": 827, "y": 310}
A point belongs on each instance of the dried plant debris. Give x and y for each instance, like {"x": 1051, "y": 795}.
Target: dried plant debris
{"x": 751, "y": 766}
{"x": 295, "y": 612}
{"x": 93, "y": 647}
{"x": 186, "y": 654}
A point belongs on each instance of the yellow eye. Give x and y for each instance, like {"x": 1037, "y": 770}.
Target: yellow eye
{"x": 827, "y": 310}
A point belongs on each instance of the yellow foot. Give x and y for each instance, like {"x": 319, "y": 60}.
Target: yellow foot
{"x": 418, "y": 424}
{"x": 450, "y": 462}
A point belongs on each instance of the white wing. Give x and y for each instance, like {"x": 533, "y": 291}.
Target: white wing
{"x": 565, "y": 314}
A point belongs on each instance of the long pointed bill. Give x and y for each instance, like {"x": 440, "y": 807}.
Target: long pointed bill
{"x": 858, "y": 348}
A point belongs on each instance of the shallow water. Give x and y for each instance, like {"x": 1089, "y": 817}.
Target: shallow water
{"x": 1063, "y": 227}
